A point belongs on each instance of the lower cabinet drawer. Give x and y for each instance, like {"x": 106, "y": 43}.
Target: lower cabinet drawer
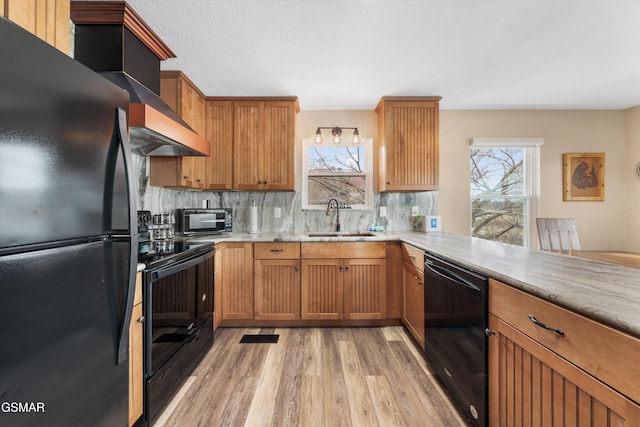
{"x": 286, "y": 250}
{"x": 413, "y": 256}
{"x": 604, "y": 352}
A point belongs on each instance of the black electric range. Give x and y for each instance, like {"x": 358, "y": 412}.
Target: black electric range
{"x": 178, "y": 303}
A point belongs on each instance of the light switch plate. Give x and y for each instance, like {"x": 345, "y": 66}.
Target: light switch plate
{"x": 277, "y": 212}
{"x": 415, "y": 211}
{"x": 383, "y": 211}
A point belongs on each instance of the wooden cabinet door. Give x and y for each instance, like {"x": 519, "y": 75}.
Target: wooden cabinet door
{"x": 248, "y": 145}
{"x": 135, "y": 365}
{"x": 219, "y": 132}
{"x": 185, "y": 99}
{"x": 365, "y": 290}
{"x": 236, "y": 280}
{"x": 192, "y": 111}
{"x": 322, "y": 289}
{"x": 276, "y": 289}
{"x": 135, "y": 355}
{"x": 409, "y": 149}
{"x": 279, "y": 140}
{"x": 531, "y": 385}
{"x": 47, "y": 19}
{"x": 413, "y": 302}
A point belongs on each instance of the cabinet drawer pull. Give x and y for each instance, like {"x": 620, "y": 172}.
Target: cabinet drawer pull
{"x": 412, "y": 256}
{"x": 542, "y": 325}
{"x": 277, "y": 251}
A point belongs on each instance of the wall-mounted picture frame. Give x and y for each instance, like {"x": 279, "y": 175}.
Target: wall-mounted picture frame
{"x": 583, "y": 178}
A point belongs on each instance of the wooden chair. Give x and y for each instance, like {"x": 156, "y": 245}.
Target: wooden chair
{"x": 558, "y": 234}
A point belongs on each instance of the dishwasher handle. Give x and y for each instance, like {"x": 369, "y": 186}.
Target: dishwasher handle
{"x": 453, "y": 278}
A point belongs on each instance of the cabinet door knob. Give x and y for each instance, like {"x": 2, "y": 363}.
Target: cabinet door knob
{"x": 296, "y": 268}
{"x": 488, "y": 332}
{"x": 388, "y": 182}
{"x": 140, "y": 320}
{"x": 185, "y": 177}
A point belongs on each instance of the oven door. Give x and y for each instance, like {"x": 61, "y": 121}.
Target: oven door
{"x": 178, "y": 304}
{"x": 178, "y": 300}
{"x": 455, "y": 342}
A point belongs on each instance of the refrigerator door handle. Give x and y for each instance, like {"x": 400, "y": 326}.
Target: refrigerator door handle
{"x": 123, "y": 143}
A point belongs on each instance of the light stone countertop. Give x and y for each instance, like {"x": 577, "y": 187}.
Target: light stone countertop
{"x": 608, "y": 293}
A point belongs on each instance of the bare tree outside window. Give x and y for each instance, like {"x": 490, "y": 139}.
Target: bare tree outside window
{"x": 499, "y": 203}
{"x": 336, "y": 171}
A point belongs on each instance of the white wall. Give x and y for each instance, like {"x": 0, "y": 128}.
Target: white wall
{"x": 601, "y": 225}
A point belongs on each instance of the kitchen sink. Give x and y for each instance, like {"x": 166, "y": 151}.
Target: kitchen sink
{"x": 345, "y": 234}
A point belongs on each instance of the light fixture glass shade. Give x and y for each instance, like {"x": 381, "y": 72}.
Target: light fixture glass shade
{"x": 318, "y": 138}
{"x": 336, "y": 132}
{"x": 356, "y": 136}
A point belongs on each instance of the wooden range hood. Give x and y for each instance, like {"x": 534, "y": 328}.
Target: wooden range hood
{"x": 111, "y": 39}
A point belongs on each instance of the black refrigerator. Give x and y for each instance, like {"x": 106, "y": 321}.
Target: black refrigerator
{"x": 68, "y": 248}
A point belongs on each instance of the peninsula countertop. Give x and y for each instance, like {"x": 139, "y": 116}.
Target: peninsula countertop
{"x": 608, "y": 293}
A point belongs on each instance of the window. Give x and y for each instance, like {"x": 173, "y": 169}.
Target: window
{"x": 504, "y": 189}
{"x": 342, "y": 171}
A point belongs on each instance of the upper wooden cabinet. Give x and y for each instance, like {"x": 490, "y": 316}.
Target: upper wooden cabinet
{"x": 263, "y": 144}
{"x": 252, "y": 144}
{"x": 408, "y": 137}
{"x": 185, "y": 99}
{"x": 47, "y": 19}
{"x": 219, "y": 132}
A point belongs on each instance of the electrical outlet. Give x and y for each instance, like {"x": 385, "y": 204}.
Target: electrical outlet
{"x": 383, "y": 211}
{"x": 277, "y": 212}
{"x": 415, "y": 211}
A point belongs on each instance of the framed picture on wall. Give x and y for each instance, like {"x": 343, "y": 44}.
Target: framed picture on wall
{"x": 583, "y": 177}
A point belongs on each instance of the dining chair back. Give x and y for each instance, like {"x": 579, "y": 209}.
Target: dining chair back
{"x": 558, "y": 234}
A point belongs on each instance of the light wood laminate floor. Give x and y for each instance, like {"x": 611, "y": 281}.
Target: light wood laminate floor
{"x": 313, "y": 377}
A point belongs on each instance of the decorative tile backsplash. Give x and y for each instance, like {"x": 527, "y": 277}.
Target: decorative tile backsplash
{"x": 293, "y": 218}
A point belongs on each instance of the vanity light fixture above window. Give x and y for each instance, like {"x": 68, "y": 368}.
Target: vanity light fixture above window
{"x": 336, "y": 135}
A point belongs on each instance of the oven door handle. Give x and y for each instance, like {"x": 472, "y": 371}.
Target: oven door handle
{"x": 454, "y": 278}
{"x": 181, "y": 265}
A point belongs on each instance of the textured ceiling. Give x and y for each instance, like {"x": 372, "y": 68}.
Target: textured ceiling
{"x": 347, "y": 54}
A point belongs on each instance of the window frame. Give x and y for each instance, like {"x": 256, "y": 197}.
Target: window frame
{"x": 531, "y": 171}
{"x": 367, "y": 143}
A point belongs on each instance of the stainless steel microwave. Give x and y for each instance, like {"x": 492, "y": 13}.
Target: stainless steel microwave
{"x": 196, "y": 221}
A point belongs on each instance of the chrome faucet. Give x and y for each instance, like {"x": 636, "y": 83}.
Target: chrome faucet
{"x": 337, "y": 206}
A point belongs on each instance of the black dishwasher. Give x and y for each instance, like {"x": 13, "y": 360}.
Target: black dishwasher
{"x": 455, "y": 318}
